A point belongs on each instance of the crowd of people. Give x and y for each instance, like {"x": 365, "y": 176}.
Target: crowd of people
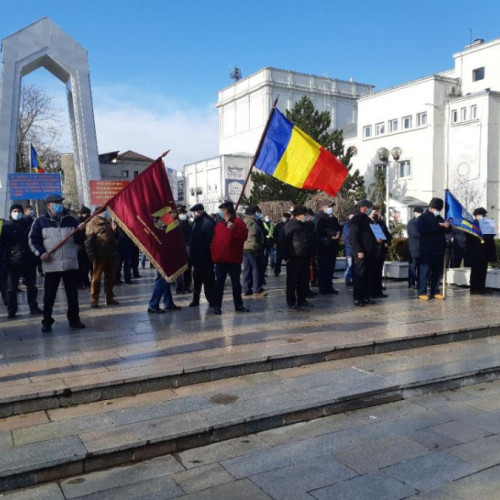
{"x": 218, "y": 245}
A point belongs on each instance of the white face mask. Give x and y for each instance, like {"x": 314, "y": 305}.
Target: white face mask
{"x": 17, "y": 215}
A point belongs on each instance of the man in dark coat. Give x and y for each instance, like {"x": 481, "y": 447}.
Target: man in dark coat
{"x": 183, "y": 282}
{"x": 364, "y": 248}
{"x": 279, "y": 241}
{"x": 297, "y": 252}
{"x": 84, "y": 265}
{"x": 480, "y": 253}
{"x": 414, "y": 247}
{"x": 19, "y": 259}
{"x": 328, "y": 234}
{"x": 433, "y": 229}
{"x": 200, "y": 256}
{"x": 380, "y": 255}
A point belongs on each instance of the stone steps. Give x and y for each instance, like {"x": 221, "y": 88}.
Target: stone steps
{"x": 33, "y": 386}
{"x": 60, "y": 442}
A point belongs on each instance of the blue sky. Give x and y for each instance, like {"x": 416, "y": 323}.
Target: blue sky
{"x": 156, "y": 66}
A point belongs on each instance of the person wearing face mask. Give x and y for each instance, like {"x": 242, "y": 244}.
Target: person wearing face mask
{"x": 183, "y": 282}
{"x": 199, "y": 255}
{"x": 29, "y": 214}
{"x": 328, "y": 234}
{"x": 414, "y": 247}
{"x": 227, "y": 253}
{"x": 433, "y": 229}
{"x": 480, "y": 253}
{"x": 253, "y": 251}
{"x": 20, "y": 261}
{"x": 101, "y": 244}
{"x": 297, "y": 252}
{"x": 46, "y": 233}
{"x": 279, "y": 242}
{"x": 263, "y": 259}
{"x": 269, "y": 250}
{"x": 364, "y": 248}
{"x": 380, "y": 255}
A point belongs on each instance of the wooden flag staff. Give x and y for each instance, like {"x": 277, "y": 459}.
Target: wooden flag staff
{"x": 96, "y": 212}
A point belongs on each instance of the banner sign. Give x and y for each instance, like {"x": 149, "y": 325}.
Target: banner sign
{"x": 102, "y": 191}
{"x": 233, "y": 189}
{"x": 33, "y": 186}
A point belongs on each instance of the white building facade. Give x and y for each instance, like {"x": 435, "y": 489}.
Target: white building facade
{"x": 244, "y": 106}
{"x": 447, "y": 128}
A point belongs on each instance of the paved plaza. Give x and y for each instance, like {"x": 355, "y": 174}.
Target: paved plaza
{"x": 395, "y": 400}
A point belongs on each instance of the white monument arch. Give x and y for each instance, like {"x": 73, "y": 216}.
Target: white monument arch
{"x": 44, "y": 44}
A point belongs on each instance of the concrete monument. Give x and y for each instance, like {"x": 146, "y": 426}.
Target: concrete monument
{"x": 44, "y": 44}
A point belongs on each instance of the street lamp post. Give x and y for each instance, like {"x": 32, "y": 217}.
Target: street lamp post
{"x": 383, "y": 155}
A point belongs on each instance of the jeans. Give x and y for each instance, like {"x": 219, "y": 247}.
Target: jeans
{"x": 221, "y": 272}
{"x": 252, "y": 272}
{"x": 430, "y": 266}
{"x": 161, "y": 289}
{"x": 349, "y": 270}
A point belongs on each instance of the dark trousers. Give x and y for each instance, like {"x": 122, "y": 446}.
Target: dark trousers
{"x": 183, "y": 282}
{"x": 134, "y": 260}
{"x": 221, "y": 272}
{"x": 414, "y": 271}
{"x": 326, "y": 264}
{"x": 124, "y": 259}
{"x": 70, "y": 280}
{"x": 278, "y": 262}
{"x": 378, "y": 269}
{"x": 203, "y": 274}
{"x": 84, "y": 268}
{"x": 252, "y": 272}
{"x": 13, "y": 276}
{"x": 3, "y": 282}
{"x": 478, "y": 271}
{"x": 297, "y": 278}
{"x": 106, "y": 266}
{"x": 363, "y": 271}
{"x": 431, "y": 267}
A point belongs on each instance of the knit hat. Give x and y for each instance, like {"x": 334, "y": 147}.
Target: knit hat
{"x": 15, "y": 206}
{"x": 437, "y": 204}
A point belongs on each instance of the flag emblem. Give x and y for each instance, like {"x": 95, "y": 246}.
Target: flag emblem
{"x": 165, "y": 219}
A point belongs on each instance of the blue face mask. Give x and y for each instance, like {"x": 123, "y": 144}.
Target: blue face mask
{"x": 57, "y": 208}
{"x": 258, "y": 215}
{"x": 329, "y": 211}
{"x": 105, "y": 215}
{"x": 221, "y": 215}
{"x": 17, "y": 215}
{"x": 369, "y": 211}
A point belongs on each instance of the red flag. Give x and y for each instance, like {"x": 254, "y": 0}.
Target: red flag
{"x": 146, "y": 211}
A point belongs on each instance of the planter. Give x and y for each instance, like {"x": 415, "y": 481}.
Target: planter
{"x": 340, "y": 264}
{"x": 493, "y": 278}
{"x": 396, "y": 270}
{"x": 458, "y": 276}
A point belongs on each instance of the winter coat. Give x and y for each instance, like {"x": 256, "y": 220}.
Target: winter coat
{"x": 279, "y": 234}
{"x": 298, "y": 242}
{"x": 46, "y": 232}
{"x": 326, "y": 227}
{"x": 482, "y": 251}
{"x": 101, "y": 240}
{"x": 201, "y": 239}
{"x": 15, "y": 244}
{"x": 361, "y": 236}
{"x": 413, "y": 238}
{"x": 227, "y": 244}
{"x": 347, "y": 242}
{"x": 432, "y": 235}
{"x": 255, "y": 240}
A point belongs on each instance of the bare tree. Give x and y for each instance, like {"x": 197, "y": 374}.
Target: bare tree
{"x": 40, "y": 125}
{"x": 468, "y": 192}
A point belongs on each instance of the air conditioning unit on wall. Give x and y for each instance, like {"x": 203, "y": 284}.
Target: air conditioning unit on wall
{"x": 454, "y": 91}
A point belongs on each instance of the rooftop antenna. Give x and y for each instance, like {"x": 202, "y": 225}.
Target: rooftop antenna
{"x": 236, "y": 75}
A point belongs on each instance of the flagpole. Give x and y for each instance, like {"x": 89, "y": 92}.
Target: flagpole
{"x": 256, "y": 154}
{"x": 446, "y": 187}
{"x": 96, "y": 212}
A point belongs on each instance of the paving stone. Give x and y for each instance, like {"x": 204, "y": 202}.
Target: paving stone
{"x": 44, "y": 492}
{"x": 203, "y": 477}
{"x": 489, "y": 421}
{"x": 431, "y": 470}
{"x": 6, "y": 440}
{"x": 240, "y": 490}
{"x": 483, "y": 485}
{"x": 366, "y": 385}
{"x": 45, "y": 454}
{"x": 389, "y": 411}
{"x": 432, "y": 440}
{"x": 367, "y": 487}
{"x": 484, "y": 452}
{"x": 379, "y": 454}
{"x": 325, "y": 378}
{"x": 462, "y": 431}
{"x": 157, "y": 488}
{"x": 18, "y": 421}
{"x": 296, "y": 480}
{"x": 119, "y": 476}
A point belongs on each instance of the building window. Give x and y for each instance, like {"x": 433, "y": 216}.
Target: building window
{"x": 404, "y": 168}
{"x": 380, "y": 128}
{"x": 478, "y": 74}
{"x": 393, "y": 125}
{"x": 422, "y": 119}
{"x": 125, "y": 174}
{"x": 136, "y": 173}
{"x": 473, "y": 112}
{"x": 454, "y": 116}
{"x": 406, "y": 122}
{"x": 463, "y": 114}
{"x": 367, "y": 131}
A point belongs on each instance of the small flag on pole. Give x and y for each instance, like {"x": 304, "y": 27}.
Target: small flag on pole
{"x": 290, "y": 155}
{"x": 459, "y": 217}
{"x": 36, "y": 162}
{"x": 146, "y": 211}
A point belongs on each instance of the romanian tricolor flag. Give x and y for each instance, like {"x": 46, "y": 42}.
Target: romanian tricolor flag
{"x": 36, "y": 163}
{"x": 290, "y": 155}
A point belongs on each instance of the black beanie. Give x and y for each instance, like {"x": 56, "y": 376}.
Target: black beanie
{"x": 15, "y": 206}
{"x": 437, "y": 204}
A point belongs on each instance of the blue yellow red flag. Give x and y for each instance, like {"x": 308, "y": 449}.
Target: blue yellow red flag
{"x": 459, "y": 217}
{"x": 36, "y": 163}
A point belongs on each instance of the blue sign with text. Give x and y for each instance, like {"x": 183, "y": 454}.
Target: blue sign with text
{"x": 34, "y": 186}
